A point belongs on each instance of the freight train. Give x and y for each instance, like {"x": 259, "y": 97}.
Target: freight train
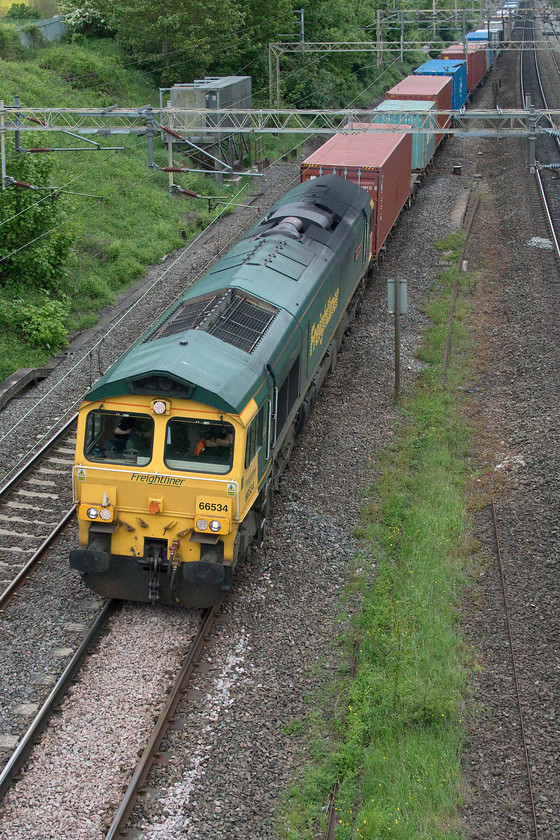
{"x": 181, "y": 444}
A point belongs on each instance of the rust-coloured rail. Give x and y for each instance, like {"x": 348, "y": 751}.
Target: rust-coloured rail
{"x": 21, "y": 753}
{"x": 514, "y": 668}
{"x": 150, "y": 753}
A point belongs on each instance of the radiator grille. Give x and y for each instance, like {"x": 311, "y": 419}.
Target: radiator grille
{"x": 188, "y": 316}
{"x": 229, "y": 315}
{"x": 243, "y": 324}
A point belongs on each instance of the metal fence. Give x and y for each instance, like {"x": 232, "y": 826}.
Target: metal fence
{"x": 51, "y": 28}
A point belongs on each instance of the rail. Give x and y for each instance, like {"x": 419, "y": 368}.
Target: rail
{"x": 9, "y": 487}
{"x": 21, "y": 753}
{"x": 162, "y": 724}
{"x": 514, "y": 668}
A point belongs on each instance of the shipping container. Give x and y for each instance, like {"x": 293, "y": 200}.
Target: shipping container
{"x": 477, "y": 61}
{"x": 481, "y": 37}
{"x": 395, "y": 111}
{"x": 458, "y": 72}
{"x": 436, "y": 89}
{"x": 379, "y": 162}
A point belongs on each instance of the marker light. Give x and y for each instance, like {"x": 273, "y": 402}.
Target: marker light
{"x": 153, "y": 506}
{"x": 92, "y": 513}
{"x": 105, "y": 514}
{"x": 215, "y": 525}
{"x": 201, "y": 524}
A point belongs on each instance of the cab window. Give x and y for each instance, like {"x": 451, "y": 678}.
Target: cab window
{"x": 197, "y": 445}
{"x": 255, "y": 436}
{"x": 119, "y": 438}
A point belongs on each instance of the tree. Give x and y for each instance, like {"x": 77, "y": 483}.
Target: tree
{"x": 34, "y": 247}
{"x": 173, "y": 39}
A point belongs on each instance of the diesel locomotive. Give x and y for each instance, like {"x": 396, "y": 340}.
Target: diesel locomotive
{"x": 182, "y": 442}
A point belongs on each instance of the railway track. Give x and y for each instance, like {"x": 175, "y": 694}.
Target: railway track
{"x": 150, "y": 753}
{"x": 132, "y": 782}
{"x": 532, "y": 86}
{"x": 10, "y": 772}
{"x": 35, "y": 506}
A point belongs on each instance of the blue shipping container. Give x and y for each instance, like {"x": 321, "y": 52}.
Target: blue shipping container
{"x": 456, "y": 69}
{"x": 482, "y": 35}
{"x": 423, "y": 145}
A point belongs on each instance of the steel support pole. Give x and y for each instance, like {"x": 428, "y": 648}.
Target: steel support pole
{"x": 270, "y": 82}
{"x": 379, "y": 40}
{"x": 170, "y": 161}
{"x": 532, "y": 138}
{"x": 397, "y": 342}
{"x": 150, "y": 135}
{"x": 17, "y": 134}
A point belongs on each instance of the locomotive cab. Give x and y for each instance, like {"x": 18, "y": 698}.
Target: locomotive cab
{"x": 157, "y": 491}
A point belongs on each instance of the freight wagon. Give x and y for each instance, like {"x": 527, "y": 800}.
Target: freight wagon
{"x": 436, "y": 89}
{"x": 379, "y": 162}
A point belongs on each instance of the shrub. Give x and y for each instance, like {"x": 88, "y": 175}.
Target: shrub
{"x": 19, "y": 11}
{"x": 11, "y": 47}
{"x": 35, "y": 242}
{"x": 44, "y": 324}
{"x": 84, "y": 70}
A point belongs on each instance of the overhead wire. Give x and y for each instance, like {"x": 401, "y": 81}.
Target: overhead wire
{"x": 56, "y": 189}
{"x": 76, "y": 215}
{"x": 117, "y": 323}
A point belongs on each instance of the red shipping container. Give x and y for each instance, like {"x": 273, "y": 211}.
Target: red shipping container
{"x": 476, "y": 61}
{"x": 379, "y": 162}
{"x": 436, "y": 89}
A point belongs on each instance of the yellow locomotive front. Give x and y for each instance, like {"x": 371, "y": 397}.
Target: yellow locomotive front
{"x": 161, "y": 487}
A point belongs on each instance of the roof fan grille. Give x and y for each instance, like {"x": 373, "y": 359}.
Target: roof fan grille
{"x": 243, "y": 324}
{"x": 187, "y": 316}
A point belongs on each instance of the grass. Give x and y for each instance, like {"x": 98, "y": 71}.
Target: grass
{"x": 124, "y": 220}
{"x": 394, "y": 742}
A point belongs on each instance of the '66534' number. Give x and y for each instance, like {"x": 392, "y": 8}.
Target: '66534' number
{"x": 216, "y": 506}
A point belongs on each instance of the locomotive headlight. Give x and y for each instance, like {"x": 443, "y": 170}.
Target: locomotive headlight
{"x": 215, "y": 525}
{"x": 92, "y": 513}
{"x": 105, "y": 514}
{"x": 202, "y": 524}
{"x": 159, "y": 407}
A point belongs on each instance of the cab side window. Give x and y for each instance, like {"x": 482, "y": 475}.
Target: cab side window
{"x": 287, "y": 396}
{"x": 255, "y": 435}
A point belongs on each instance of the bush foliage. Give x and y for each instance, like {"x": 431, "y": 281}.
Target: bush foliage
{"x": 83, "y": 69}
{"x": 36, "y": 241}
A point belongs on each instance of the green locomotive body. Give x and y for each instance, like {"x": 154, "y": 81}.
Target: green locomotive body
{"x": 215, "y": 392}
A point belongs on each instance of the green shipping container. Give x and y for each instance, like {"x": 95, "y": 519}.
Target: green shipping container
{"x": 396, "y": 112}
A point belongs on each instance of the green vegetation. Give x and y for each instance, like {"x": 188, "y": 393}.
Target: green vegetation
{"x": 395, "y": 738}
{"x": 19, "y": 11}
{"x": 88, "y": 225}
{"x": 115, "y": 213}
